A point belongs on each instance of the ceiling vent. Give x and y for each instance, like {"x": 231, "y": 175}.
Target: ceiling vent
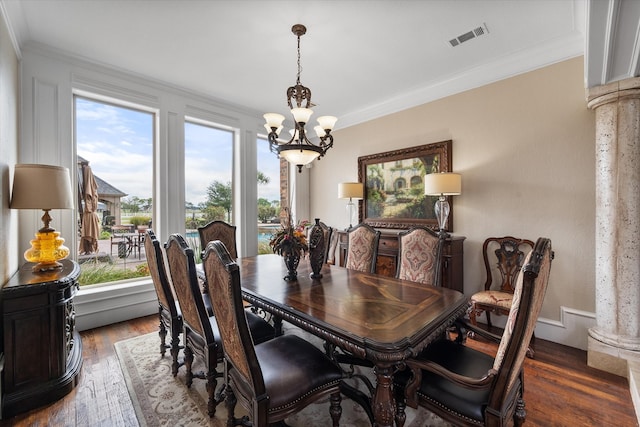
{"x": 476, "y": 32}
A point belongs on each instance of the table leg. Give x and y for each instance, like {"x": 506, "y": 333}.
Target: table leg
{"x": 384, "y": 404}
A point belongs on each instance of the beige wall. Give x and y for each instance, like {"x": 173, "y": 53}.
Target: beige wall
{"x": 8, "y": 151}
{"x": 525, "y": 148}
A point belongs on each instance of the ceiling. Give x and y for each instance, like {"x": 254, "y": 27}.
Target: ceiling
{"x": 361, "y": 58}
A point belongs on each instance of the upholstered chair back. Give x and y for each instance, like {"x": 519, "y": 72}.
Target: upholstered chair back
{"x": 219, "y": 230}
{"x": 362, "y": 248}
{"x": 420, "y": 256}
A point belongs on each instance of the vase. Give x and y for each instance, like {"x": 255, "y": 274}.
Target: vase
{"x": 316, "y": 249}
{"x": 291, "y": 260}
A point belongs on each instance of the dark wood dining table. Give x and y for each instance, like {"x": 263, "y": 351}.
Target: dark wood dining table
{"x": 381, "y": 319}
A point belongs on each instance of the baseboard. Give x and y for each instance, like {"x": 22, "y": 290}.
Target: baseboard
{"x": 571, "y": 330}
{"x": 103, "y": 305}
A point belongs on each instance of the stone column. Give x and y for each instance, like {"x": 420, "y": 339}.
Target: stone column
{"x": 615, "y": 340}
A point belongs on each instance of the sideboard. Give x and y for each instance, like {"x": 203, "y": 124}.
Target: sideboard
{"x": 42, "y": 349}
{"x": 452, "y": 257}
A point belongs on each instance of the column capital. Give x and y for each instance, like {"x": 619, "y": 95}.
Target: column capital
{"x": 613, "y": 92}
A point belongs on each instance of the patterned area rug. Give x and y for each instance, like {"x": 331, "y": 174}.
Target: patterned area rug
{"x": 159, "y": 399}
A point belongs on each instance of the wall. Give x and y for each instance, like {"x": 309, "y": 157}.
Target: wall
{"x": 8, "y": 150}
{"x": 525, "y": 149}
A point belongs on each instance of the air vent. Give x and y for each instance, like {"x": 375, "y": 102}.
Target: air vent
{"x": 472, "y": 34}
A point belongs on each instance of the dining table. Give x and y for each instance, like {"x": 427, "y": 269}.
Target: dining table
{"x": 376, "y": 318}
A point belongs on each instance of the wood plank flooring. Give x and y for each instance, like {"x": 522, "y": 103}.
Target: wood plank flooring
{"x": 561, "y": 390}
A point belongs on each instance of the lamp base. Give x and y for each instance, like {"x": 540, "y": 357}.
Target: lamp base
{"x": 46, "y": 250}
{"x": 44, "y": 267}
{"x": 441, "y": 209}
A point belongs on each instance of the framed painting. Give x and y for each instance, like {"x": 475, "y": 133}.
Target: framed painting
{"x": 394, "y": 186}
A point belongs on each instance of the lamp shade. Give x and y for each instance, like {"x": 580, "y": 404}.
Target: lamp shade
{"x": 444, "y": 183}
{"x": 41, "y": 187}
{"x": 350, "y": 190}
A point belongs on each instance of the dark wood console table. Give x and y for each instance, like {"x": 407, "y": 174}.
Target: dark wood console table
{"x": 452, "y": 259}
{"x": 42, "y": 349}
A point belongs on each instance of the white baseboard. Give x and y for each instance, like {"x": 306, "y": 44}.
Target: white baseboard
{"x": 103, "y": 305}
{"x": 571, "y": 330}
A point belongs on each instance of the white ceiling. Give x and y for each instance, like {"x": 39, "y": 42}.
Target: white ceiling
{"x": 360, "y": 58}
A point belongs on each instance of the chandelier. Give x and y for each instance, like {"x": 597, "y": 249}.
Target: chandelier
{"x": 299, "y": 150}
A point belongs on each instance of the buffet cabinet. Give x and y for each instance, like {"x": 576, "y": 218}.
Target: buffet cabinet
{"x": 42, "y": 349}
{"x": 387, "y": 260}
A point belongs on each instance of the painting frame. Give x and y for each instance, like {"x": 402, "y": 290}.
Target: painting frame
{"x": 392, "y": 202}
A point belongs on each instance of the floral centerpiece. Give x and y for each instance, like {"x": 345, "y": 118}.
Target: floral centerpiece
{"x": 290, "y": 241}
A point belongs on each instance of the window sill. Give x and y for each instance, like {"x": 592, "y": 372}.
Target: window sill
{"x": 99, "y": 305}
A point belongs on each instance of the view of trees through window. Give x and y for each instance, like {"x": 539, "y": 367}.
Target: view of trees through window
{"x": 116, "y": 143}
{"x": 268, "y": 194}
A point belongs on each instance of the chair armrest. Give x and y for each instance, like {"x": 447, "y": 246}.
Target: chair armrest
{"x": 464, "y": 326}
{"x": 416, "y": 366}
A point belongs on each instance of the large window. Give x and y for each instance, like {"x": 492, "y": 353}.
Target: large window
{"x": 268, "y": 194}
{"x": 116, "y": 143}
{"x": 208, "y": 165}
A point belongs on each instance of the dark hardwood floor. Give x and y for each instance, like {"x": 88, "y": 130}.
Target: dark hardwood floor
{"x": 561, "y": 390}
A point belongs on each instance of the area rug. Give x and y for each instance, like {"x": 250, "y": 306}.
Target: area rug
{"x": 159, "y": 399}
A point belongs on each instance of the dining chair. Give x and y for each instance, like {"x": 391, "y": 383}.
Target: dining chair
{"x": 119, "y": 238}
{"x": 272, "y": 380}
{"x": 219, "y": 230}
{"x": 200, "y": 330}
{"x": 362, "y": 248}
{"x": 503, "y": 257}
{"x": 334, "y": 239}
{"x": 168, "y": 308}
{"x": 468, "y": 387}
{"x": 420, "y": 255}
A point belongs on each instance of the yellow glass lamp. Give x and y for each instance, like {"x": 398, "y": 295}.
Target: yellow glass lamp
{"x": 43, "y": 187}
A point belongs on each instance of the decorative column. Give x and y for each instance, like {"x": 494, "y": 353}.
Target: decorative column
{"x": 614, "y": 343}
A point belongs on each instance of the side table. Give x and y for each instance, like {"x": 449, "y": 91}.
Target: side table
{"x": 42, "y": 349}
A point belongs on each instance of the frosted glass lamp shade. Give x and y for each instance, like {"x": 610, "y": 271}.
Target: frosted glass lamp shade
{"x": 327, "y": 122}
{"x": 273, "y": 120}
{"x": 297, "y": 156}
{"x": 301, "y": 115}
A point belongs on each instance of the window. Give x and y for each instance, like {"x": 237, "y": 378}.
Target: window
{"x": 116, "y": 142}
{"x": 268, "y": 194}
{"x": 208, "y": 165}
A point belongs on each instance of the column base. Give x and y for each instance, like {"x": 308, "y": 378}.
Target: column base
{"x": 618, "y": 361}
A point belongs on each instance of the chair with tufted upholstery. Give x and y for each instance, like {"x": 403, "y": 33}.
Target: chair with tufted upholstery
{"x": 169, "y": 310}
{"x": 362, "y": 248}
{"x": 200, "y": 330}
{"x": 420, "y": 255}
{"x": 272, "y": 380}
{"x": 470, "y": 388}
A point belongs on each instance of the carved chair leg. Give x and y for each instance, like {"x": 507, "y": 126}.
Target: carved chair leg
{"x": 488, "y": 319}
{"x": 212, "y": 383}
{"x": 401, "y": 405}
{"x": 175, "y": 350}
{"x": 335, "y": 409}
{"x": 162, "y": 331}
{"x": 230, "y": 401}
{"x": 188, "y": 363}
{"x": 531, "y": 349}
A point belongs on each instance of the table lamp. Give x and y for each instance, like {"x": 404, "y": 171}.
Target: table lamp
{"x": 351, "y": 190}
{"x": 43, "y": 187}
{"x": 442, "y": 184}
